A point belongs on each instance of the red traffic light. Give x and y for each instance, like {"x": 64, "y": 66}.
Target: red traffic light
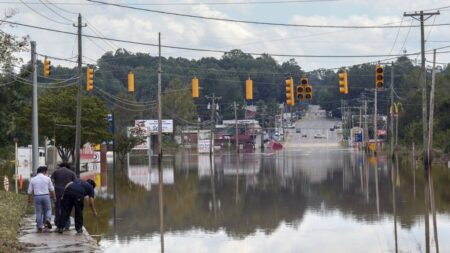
{"x": 304, "y": 81}
{"x": 379, "y": 70}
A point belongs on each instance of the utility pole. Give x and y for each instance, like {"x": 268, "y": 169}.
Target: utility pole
{"x": 375, "y": 114}
{"x": 360, "y": 116}
{"x": 159, "y": 105}
{"x": 236, "y": 127}
{"x": 34, "y": 118}
{"x": 366, "y": 129}
{"x": 76, "y": 155}
{"x": 391, "y": 111}
{"x": 423, "y": 75}
{"x": 213, "y": 121}
{"x": 430, "y": 123}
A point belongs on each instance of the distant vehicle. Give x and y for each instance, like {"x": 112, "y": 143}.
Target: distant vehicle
{"x": 298, "y": 130}
{"x": 304, "y": 136}
{"x": 332, "y": 129}
{"x": 318, "y": 136}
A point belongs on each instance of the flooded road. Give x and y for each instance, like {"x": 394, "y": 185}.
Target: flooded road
{"x": 330, "y": 200}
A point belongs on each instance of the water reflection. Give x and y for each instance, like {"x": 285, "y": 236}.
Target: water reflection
{"x": 288, "y": 201}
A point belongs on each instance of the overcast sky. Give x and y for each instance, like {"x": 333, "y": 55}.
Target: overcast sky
{"x": 143, "y": 26}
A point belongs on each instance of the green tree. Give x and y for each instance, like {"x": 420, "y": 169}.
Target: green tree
{"x": 178, "y": 104}
{"x": 57, "y": 111}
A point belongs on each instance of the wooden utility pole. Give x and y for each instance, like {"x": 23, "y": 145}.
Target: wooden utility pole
{"x": 392, "y": 110}
{"x": 420, "y": 16}
{"x": 34, "y": 117}
{"x": 375, "y": 116}
{"x": 236, "y": 127}
{"x": 430, "y": 123}
{"x": 159, "y": 104}
{"x": 79, "y": 94}
{"x": 213, "y": 121}
{"x": 366, "y": 129}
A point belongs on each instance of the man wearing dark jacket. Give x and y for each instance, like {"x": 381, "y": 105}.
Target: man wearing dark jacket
{"x": 73, "y": 196}
{"x": 61, "y": 177}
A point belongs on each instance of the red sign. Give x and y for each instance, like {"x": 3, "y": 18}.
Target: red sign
{"x": 381, "y": 132}
{"x": 87, "y": 152}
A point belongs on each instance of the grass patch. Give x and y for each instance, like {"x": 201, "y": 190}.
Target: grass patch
{"x": 12, "y": 208}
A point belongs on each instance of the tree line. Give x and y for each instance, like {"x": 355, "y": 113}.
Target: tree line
{"x": 225, "y": 77}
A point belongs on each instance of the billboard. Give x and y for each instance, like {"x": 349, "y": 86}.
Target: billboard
{"x": 152, "y": 125}
{"x": 140, "y": 131}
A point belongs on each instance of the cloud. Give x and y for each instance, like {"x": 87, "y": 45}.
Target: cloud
{"x": 188, "y": 32}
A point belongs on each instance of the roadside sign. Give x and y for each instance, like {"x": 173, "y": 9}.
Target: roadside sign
{"x": 152, "y": 125}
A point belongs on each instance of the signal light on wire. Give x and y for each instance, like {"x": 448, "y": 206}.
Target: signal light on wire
{"x": 195, "y": 88}
{"x": 130, "y": 81}
{"x": 47, "y": 67}
{"x": 379, "y": 76}
{"x": 343, "y": 82}
{"x": 308, "y": 92}
{"x": 89, "y": 78}
{"x": 249, "y": 89}
{"x": 290, "y": 91}
{"x": 300, "y": 92}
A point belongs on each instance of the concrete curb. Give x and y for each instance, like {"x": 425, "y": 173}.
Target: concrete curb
{"x": 51, "y": 241}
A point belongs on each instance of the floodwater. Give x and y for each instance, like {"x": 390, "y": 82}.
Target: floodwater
{"x": 331, "y": 200}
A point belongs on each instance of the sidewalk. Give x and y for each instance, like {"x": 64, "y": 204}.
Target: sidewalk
{"x": 52, "y": 241}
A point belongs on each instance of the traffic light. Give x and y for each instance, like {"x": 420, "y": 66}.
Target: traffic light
{"x": 308, "y": 92}
{"x": 130, "y": 81}
{"x": 379, "y": 76}
{"x": 300, "y": 92}
{"x": 194, "y": 87}
{"x": 89, "y": 79}
{"x": 47, "y": 67}
{"x": 249, "y": 89}
{"x": 343, "y": 82}
{"x": 290, "y": 91}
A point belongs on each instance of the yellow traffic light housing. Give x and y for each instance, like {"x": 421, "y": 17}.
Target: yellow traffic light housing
{"x": 249, "y": 89}
{"x": 47, "y": 67}
{"x": 343, "y": 82}
{"x": 89, "y": 79}
{"x": 308, "y": 92}
{"x": 379, "y": 76}
{"x": 290, "y": 91}
{"x": 195, "y": 88}
{"x": 300, "y": 92}
{"x": 130, "y": 81}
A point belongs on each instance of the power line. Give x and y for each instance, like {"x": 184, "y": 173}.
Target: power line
{"x": 42, "y": 15}
{"x": 64, "y": 10}
{"x": 48, "y": 7}
{"x": 215, "y": 50}
{"x": 256, "y": 22}
{"x": 193, "y": 3}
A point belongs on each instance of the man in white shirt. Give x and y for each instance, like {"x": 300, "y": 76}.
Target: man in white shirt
{"x": 41, "y": 187}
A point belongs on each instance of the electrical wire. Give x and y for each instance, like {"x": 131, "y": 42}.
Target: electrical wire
{"x": 193, "y": 3}
{"x": 253, "y": 22}
{"x": 42, "y": 15}
{"x": 59, "y": 15}
{"x": 64, "y": 10}
{"x": 396, "y": 36}
{"x": 127, "y": 102}
{"x": 218, "y": 51}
